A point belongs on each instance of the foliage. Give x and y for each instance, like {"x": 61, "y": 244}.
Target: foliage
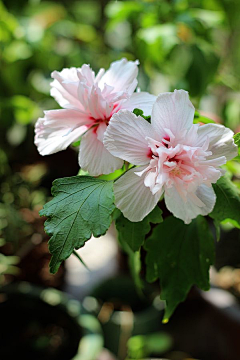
{"x": 140, "y": 346}
{"x": 180, "y": 255}
{"x": 237, "y": 142}
{"x": 8, "y": 266}
{"x": 180, "y": 44}
{"x": 227, "y": 206}
{"x": 139, "y": 112}
{"x": 134, "y": 233}
{"x": 81, "y": 207}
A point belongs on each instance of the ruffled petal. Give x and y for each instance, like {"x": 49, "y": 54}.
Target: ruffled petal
{"x": 200, "y": 203}
{"x": 221, "y": 141}
{"x": 58, "y": 129}
{"x": 121, "y": 76}
{"x": 140, "y": 100}
{"x": 172, "y": 111}
{"x": 126, "y": 135}
{"x": 132, "y": 197}
{"x": 94, "y": 157}
{"x": 64, "y": 88}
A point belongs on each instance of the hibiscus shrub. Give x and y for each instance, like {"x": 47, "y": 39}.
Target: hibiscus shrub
{"x": 136, "y": 151}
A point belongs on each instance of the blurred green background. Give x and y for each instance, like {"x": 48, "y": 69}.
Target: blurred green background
{"x": 194, "y": 45}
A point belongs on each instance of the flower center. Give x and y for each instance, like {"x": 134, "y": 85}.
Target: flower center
{"x": 166, "y": 141}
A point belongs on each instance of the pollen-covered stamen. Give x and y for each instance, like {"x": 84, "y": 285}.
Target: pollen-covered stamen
{"x": 173, "y": 166}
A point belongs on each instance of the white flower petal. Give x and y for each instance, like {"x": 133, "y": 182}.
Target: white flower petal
{"x": 221, "y": 141}
{"x": 132, "y": 197}
{"x": 64, "y": 88}
{"x": 94, "y": 158}
{"x": 140, "y": 100}
{"x": 125, "y": 137}
{"x": 121, "y": 75}
{"x": 200, "y": 203}
{"x": 173, "y": 111}
{"x": 58, "y": 129}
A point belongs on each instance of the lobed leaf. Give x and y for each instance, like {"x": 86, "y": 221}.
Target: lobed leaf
{"x": 81, "y": 207}
{"x": 180, "y": 255}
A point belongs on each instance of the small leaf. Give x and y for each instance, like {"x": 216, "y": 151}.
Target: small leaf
{"x": 133, "y": 233}
{"x": 81, "y": 207}
{"x": 228, "y": 201}
{"x": 180, "y": 255}
{"x": 139, "y": 112}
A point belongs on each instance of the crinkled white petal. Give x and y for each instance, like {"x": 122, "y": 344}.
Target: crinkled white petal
{"x": 132, "y": 197}
{"x": 200, "y": 203}
{"x": 64, "y": 88}
{"x": 173, "y": 111}
{"x": 140, "y": 100}
{"x": 94, "y": 157}
{"x": 220, "y": 138}
{"x": 58, "y": 129}
{"x": 121, "y": 75}
{"x": 125, "y": 137}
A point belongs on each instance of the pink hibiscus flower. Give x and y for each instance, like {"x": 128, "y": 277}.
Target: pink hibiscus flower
{"x": 175, "y": 157}
{"x": 89, "y": 102}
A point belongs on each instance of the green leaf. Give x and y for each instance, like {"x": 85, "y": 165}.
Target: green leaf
{"x": 76, "y": 143}
{"x": 228, "y": 201}
{"x": 131, "y": 236}
{"x": 134, "y": 262}
{"x": 139, "y": 112}
{"x": 236, "y": 138}
{"x": 135, "y": 265}
{"x": 217, "y": 229}
{"x": 133, "y": 233}
{"x": 81, "y": 207}
{"x": 198, "y": 118}
{"x": 115, "y": 214}
{"x": 180, "y": 255}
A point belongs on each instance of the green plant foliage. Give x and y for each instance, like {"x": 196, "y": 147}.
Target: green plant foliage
{"x": 81, "y": 207}
{"x": 236, "y": 138}
{"x": 139, "y": 112}
{"x": 135, "y": 265}
{"x": 140, "y": 346}
{"x": 180, "y": 255}
{"x": 227, "y": 205}
{"x": 198, "y": 118}
{"x": 8, "y": 265}
{"x": 134, "y": 233}
{"x": 131, "y": 236}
